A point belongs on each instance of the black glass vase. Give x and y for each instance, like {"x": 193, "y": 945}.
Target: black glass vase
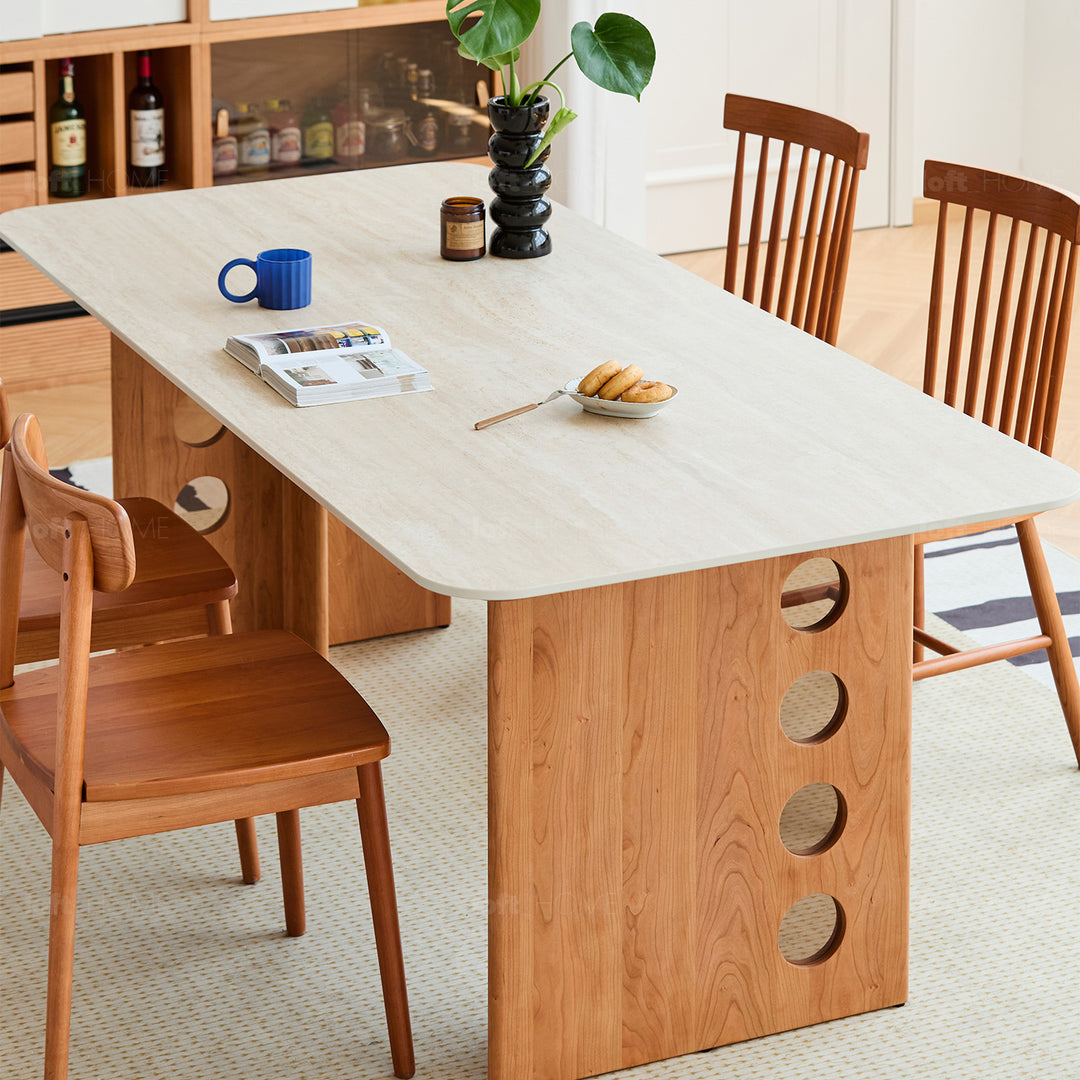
{"x": 520, "y": 209}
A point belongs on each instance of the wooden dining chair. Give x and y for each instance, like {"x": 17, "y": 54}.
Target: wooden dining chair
{"x": 807, "y": 245}
{"x": 182, "y": 589}
{"x": 168, "y": 736}
{"x": 1008, "y": 335}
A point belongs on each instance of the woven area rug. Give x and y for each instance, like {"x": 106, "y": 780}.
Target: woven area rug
{"x": 184, "y": 973}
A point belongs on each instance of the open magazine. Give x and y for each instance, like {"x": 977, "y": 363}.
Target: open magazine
{"x": 320, "y": 364}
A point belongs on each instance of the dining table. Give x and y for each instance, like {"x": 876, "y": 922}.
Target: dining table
{"x": 640, "y": 576}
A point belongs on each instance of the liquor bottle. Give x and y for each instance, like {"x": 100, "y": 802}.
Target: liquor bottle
{"x": 318, "y": 130}
{"x": 146, "y": 115}
{"x": 67, "y": 139}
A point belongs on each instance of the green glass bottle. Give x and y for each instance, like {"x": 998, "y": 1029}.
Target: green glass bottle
{"x": 67, "y": 139}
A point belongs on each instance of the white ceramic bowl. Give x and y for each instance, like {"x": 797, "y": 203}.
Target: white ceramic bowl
{"x": 637, "y": 410}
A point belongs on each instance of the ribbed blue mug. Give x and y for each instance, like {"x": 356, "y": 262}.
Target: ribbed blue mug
{"x": 282, "y": 279}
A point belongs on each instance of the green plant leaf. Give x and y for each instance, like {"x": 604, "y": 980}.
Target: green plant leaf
{"x": 618, "y": 54}
{"x": 488, "y": 28}
{"x": 557, "y": 123}
{"x": 496, "y": 63}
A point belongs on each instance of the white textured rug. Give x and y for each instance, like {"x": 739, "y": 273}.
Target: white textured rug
{"x": 184, "y": 973}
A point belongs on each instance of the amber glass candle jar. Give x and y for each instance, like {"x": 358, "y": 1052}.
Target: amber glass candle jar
{"x": 462, "y": 228}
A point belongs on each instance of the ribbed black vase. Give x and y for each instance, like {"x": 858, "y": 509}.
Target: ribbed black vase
{"x": 519, "y": 209}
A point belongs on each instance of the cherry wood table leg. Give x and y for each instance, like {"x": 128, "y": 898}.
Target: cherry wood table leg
{"x": 638, "y": 773}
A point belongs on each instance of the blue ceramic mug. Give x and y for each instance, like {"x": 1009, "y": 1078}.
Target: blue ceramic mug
{"x": 282, "y": 279}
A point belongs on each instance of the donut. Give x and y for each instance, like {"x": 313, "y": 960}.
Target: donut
{"x": 598, "y": 376}
{"x": 645, "y": 391}
{"x": 623, "y": 381}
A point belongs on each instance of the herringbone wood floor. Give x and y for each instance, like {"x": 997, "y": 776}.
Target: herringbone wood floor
{"x": 884, "y": 323}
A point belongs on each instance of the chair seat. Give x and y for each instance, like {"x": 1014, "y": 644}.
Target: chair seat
{"x": 200, "y": 715}
{"x": 172, "y": 560}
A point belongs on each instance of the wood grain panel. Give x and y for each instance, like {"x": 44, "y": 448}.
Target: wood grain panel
{"x": 638, "y": 774}
{"x": 17, "y": 188}
{"x": 32, "y": 356}
{"x": 370, "y": 596}
{"x": 17, "y": 142}
{"x": 16, "y": 92}
{"x": 22, "y": 285}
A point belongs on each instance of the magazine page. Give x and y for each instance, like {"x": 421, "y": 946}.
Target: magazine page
{"x": 254, "y": 350}
{"x": 358, "y": 370}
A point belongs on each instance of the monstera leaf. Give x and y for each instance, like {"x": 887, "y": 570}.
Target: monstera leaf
{"x": 489, "y": 28}
{"x": 558, "y": 122}
{"x": 496, "y": 63}
{"x": 617, "y": 55}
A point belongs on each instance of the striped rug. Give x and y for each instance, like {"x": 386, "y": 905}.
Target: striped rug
{"x": 977, "y": 584}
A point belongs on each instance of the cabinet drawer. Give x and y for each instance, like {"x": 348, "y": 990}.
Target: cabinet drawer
{"x": 16, "y": 142}
{"x": 21, "y": 285}
{"x": 38, "y": 355}
{"x": 17, "y": 188}
{"x": 16, "y": 92}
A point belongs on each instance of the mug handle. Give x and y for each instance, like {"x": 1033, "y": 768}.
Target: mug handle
{"x": 221, "y": 281}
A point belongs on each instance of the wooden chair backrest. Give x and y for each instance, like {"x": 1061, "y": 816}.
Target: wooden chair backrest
{"x": 1008, "y": 366}
{"x": 47, "y": 504}
{"x": 811, "y": 280}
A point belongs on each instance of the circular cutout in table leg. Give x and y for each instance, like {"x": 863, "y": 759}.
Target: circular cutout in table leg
{"x": 194, "y": 426}
{"x": 814, "y": 706}
{"x": 814, "y": 595}
{"x": 812, "y": 819}
{"x": 811, "y": 930}
{"x": 203, "y": 503}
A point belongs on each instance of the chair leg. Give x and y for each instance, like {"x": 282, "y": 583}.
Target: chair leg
{"x": 219, "y": 621}
{"x": 65, "y": 880}
{"x": 918, "y": 652}
{"x": 379, "y": 867}
{"x": 1051, "y": 624}
{"x": 292, "y": 871}
{"x": 247, "y": 842}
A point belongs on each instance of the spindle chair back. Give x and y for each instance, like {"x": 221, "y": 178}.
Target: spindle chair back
{"x": 1004, "y": 315}
{"x": 807, "y": 239}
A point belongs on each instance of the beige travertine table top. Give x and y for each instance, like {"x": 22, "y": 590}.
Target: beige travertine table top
{"x": 776, "y": 443}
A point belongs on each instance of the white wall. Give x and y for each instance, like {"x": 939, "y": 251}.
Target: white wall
{"x": 1050, "y": 147}
{"x": 968, "y": 83}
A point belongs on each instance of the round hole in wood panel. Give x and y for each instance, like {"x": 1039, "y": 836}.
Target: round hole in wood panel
{"x": 203, "y": 503}
{"x": 194, "y": 425}
{"x": 813, "y": 707}
{"x": 814, "y": 594}
{"x": 812, "y": 930}
{"x": 812, "y": 819}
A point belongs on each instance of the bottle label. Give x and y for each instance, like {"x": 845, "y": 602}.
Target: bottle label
{"x": 285, "y": 146}
{"x": 351, "y": 139}
{"x": 69, "y": 142}
{"x": 319, "y": 140}
{"x": 427, "y": 134}
{"x": 255, "y": 149}
{"x": 225, "y": 155}
{"x": 147, "y": 137}
{"x": 464, "y": 235}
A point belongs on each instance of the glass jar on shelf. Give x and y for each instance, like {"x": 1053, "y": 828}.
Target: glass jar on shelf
{"x": 459, "y": 132}
{"x": 224, "y": 152}
{"x": 386, "y": 139}
{"x": 253, "y": 139}
{"x": 286, "y": 143}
